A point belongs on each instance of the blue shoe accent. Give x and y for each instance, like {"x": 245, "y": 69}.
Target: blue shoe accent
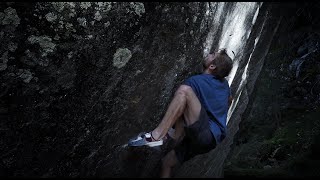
{"x": 144, "y": 139}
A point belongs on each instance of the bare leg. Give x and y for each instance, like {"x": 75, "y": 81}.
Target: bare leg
{"x": 184, "y": 107}
{"x": 168, "y": 162}
{"x": 179, "y": 130}
{"x": 186, "y": 103}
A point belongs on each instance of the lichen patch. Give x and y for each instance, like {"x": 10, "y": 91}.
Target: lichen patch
{"x": 121, "y": 57}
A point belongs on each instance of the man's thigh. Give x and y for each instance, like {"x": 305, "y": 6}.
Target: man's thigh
{"x": 198, "y": 139}
{"x": 192, "y": 111}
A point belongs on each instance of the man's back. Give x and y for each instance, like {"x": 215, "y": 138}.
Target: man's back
{"x": 213, "y": 95}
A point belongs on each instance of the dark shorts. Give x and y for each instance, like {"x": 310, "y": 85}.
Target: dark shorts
{"x": 198, "y": 139}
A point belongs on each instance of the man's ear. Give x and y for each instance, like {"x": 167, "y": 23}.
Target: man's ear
{"x": 213, "y": 67}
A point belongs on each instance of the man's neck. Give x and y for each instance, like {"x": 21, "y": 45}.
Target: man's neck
{"x": 207, "y": 71}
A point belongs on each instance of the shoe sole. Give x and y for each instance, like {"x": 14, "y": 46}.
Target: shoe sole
{"x": 138, "y": 142}
{"x": 153, "y": 144}
{"x": 150, "y": 144}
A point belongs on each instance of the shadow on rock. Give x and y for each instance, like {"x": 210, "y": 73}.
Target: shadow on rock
{"x": 143, "y": 161}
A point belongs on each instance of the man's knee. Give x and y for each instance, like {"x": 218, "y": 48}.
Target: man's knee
{"x": 184, "y": 90}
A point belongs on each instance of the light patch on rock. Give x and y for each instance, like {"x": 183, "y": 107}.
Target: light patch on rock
{"x": 61, "y": 18}
{"x": 97, "y": 16}
{"x": 51, "y": 17}
{"x": 89, "y": 36}
{"x": 43, "y": 61}
{"x": 12, "y": 46}
{"x": 103, "y": 6}
{"x": 166, "y": 9}
{"x": 1, "y": 16}
{"x": 71, "y": 4}
{"x": 36, "y": 79}
{"x": 195, "y": 19}
{"x": 121, "y": 57}
{"x": 82, "y": 22}
{"x": 85, "y": 5}
{"x": 138, "y": 72}
{"x": 30, "y": 58}
{"x": 107, "y": 24}
{"x": 10, "y": 17}
{"x": 56, "y": 37}
{"x": 70, "y": 55}
{"x": 60, "y": 26}
{"x": 138, "y": 8}
{"x": 71, "y": 15}
{"x": 44, "y": 41}
{"x": 58, "y": 6}
{"x": 69, "y": 26}
{"x": 29, "y": 53}
{"x": 267, "y": 167}
{"x": 4, "y": 61}
{"x": 25, "y": 75}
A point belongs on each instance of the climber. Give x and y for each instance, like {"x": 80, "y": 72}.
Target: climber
{"x": 198, "y": 113}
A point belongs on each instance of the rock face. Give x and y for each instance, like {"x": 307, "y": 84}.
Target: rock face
{"x": 279, "y": 131}
{"x": 78, "y": 79}
{"x": 249, "y": 65}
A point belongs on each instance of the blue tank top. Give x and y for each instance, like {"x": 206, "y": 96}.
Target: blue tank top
{"x": 213, "y": 95}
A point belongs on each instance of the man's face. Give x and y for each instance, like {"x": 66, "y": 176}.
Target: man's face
{"x": 210, "y": 58}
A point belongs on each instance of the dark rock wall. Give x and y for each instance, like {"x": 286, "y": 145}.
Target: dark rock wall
{"x": 79, "y": 79}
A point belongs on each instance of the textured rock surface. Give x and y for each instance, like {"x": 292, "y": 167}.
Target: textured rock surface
{"x": 279, "y": 131}
{"x": 253, "y": 56}
{"x": 78, "y": 79}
